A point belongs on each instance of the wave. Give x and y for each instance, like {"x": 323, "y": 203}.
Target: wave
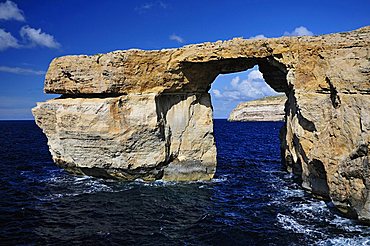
{"x": 343, "y": 241}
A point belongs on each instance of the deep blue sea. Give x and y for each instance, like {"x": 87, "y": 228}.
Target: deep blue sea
{"x": 251, "y": 201}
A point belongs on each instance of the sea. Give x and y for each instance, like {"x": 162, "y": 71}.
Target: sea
{"x": 251, "y": 201}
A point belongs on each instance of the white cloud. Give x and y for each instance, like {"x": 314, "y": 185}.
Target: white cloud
{"x": 217, "y": 93}
{"x": 259, "y": 36}
{"x": 150, "y": 5}
{"x": 38, "y": 38}
{"x": 255, "y": 75}
{"x": 31, "y": 37}
{"x": 7, "y": 40}
{"x": 299, "y": 31}
{"x": 10, "y": 11}
{"x": 176, "y": 38}
{"x": 162, "y": 4}
{"x": 147, "y": 6}
{"x": 19, "y": 70}
{"x": 253, "y": 87}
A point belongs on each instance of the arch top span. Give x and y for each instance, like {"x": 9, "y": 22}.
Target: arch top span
{"x": 147, "y": 114}
{"x": 172, "y": 70}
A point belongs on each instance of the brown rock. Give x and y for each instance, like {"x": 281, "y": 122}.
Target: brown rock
{"x": 147, "y": 114}
{"x": 131, "y": 137}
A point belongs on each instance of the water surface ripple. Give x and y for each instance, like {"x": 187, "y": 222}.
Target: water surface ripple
{"x": 251, "y": 201}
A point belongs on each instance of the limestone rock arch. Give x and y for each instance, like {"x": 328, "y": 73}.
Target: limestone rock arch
{"x": 147, "y": 114}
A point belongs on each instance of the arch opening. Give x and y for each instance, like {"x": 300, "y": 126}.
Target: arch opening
{"x": 229, "y": 92}
{"x": 230, "y": 82}
{"x": 201, "y": 75}
{"x": 185, "y": 117}
{"x": 250, "y": 143}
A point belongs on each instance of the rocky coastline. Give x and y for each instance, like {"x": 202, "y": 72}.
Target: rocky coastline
{"x": 147, "y": 114}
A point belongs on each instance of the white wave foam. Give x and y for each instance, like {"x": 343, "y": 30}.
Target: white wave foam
{"x": 342, "y": 241}
{"x": 158, "y": 183}
{"x": 318, "y": 210}
{"x": 349, "y": 225}
{"x": 288, "y": 192}
{"x": 311, "y": 210}
{"x": 220, "y": 179}
{"x": 290, "y": 224}
{"x": 68, "y": 185}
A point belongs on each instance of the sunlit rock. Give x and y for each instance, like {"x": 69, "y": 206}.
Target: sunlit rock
{"x": 265, "y": 109}
{"x": 132, "y": 137}
{"x": 147, "y": 114}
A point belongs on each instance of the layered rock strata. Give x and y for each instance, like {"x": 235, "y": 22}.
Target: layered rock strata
{"x": 132, "y": 136}
{"x": 147, "y": 114}
{"x": 265, "y": 109}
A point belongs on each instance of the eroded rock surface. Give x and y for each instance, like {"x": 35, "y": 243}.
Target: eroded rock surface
{"x": 147, "y": 114}
{"x": 265, "y": 109}
{"x": 133, "y": 136}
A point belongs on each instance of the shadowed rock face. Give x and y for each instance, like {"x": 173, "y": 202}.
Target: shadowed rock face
{"x": 147, "y": 114}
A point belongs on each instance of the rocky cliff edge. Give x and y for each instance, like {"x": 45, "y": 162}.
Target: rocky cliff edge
{"x": 147, "y": 114}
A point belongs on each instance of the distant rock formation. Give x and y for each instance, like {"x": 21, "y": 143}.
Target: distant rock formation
{"x": 264, "y": 109}
{"x": 147, "y": 114}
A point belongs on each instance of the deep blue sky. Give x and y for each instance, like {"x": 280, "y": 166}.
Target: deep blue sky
{"x": 89, "y": 27}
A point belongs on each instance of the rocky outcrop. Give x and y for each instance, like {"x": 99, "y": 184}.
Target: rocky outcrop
{"x": 132, "y": 137}
{"x": 265, "y": 109}
{"x": 147, "y": 114}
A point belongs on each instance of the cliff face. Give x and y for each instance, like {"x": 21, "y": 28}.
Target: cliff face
{"x": 264, "y": 109}
{"x": 133, "y": 136}
{"x": 147, "y": 114}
